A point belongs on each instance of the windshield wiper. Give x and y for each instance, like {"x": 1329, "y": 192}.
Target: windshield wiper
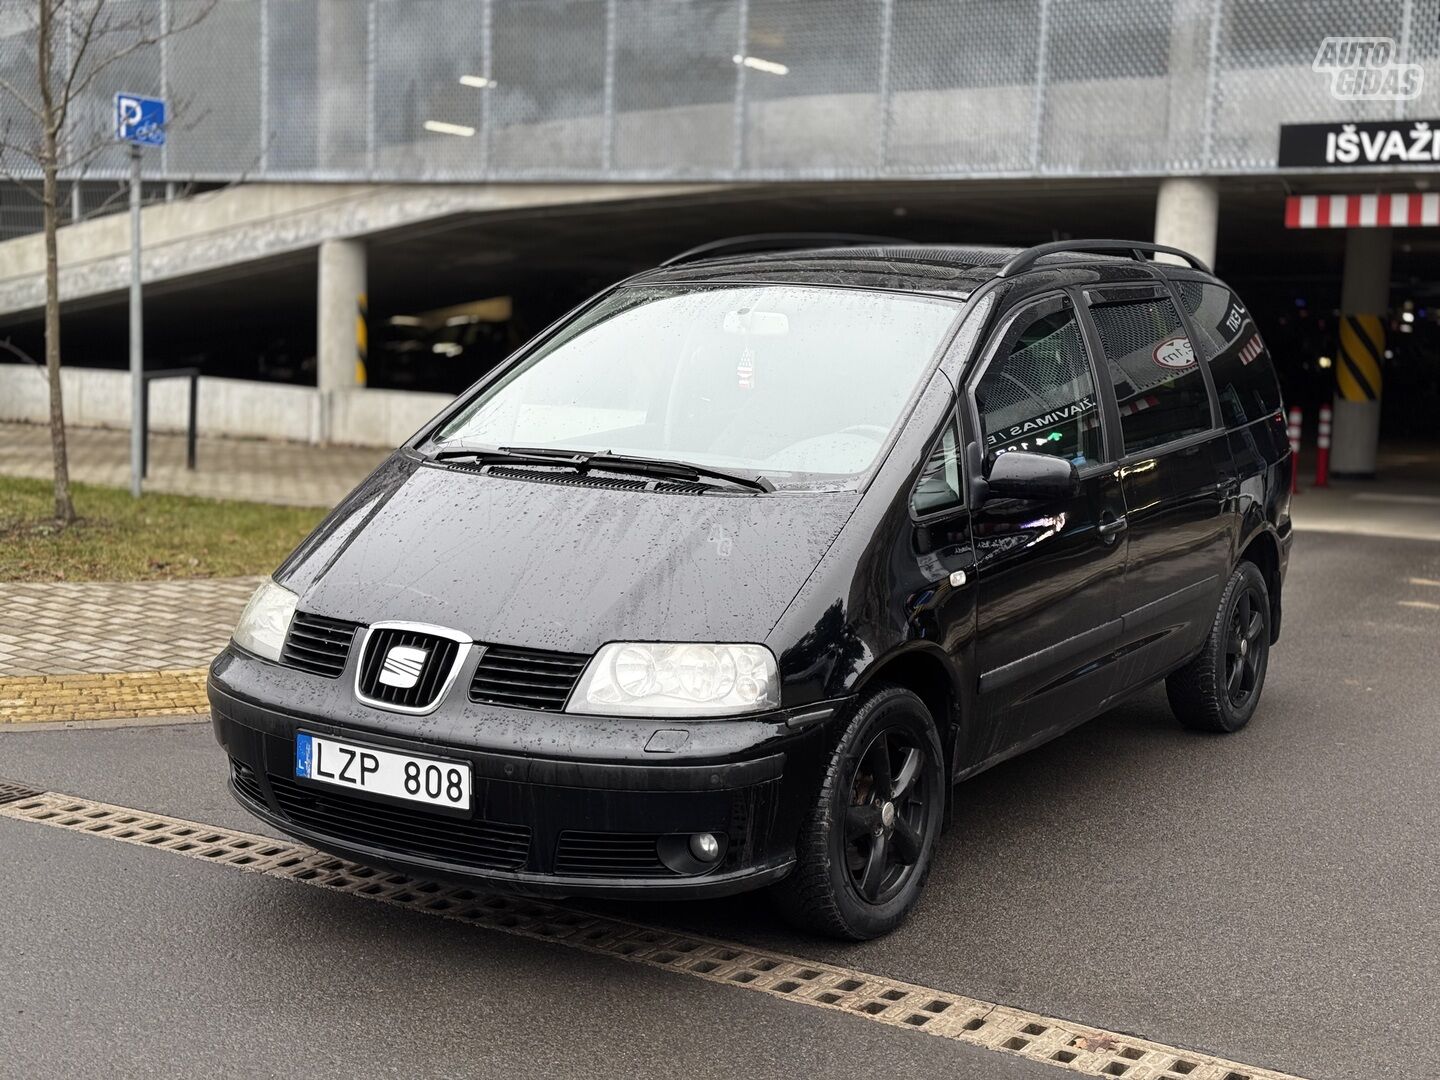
{"x": 606, "y": 459}
{"x": 490, "y": 456}
{"x": 583, "y": 461}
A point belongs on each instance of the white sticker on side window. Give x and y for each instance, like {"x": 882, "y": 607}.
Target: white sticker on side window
{"x": 1175, "y": 353}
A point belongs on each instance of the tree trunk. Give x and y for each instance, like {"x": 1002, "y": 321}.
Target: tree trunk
{"x": 50, "y": 165}
{"x": 64, "y": 508}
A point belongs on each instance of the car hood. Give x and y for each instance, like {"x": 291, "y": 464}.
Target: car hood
{"x": 563, "y": 566}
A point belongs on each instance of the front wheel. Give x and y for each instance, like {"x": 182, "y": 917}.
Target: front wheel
{"x": 864, "y": 849}
{"x": 1219, "y": 689}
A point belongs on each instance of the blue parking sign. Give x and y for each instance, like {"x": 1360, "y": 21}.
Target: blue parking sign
{"x": 140, "y": 120}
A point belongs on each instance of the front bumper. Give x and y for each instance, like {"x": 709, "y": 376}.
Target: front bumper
{"x": 586, "y": 823}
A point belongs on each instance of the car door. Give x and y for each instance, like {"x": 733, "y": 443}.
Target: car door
{"x": 1046, "y": 571}
{"x": 1176, "y": 475}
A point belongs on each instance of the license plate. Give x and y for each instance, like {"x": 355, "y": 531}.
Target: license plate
{"x": 382, "y": 772}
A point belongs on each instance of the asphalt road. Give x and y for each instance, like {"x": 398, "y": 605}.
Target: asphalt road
{"x": 1270, "y": 896}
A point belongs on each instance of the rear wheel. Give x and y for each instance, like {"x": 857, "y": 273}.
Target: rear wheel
{"x": 1220, "y": 688}
{"x": 864, "y": 850}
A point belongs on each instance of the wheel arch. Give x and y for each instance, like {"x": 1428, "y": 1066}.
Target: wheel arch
{"x": 1263, "y": 549}
{"x": 927, "y": 671}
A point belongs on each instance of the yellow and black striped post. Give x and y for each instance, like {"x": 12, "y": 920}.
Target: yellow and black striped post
{"x": 362, "y": 338}
{"x": 1360, "y": 358}
{"x": 1362, "y": 345}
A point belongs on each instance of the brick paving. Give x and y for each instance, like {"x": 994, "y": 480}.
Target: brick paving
{"x": 252, "y": 470}
{"x": 105, "y": 696}
{"x": 80, "y": 628}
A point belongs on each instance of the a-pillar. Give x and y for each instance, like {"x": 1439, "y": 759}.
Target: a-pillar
{"x": 1187, "y": 216}
{"x": 341, "y": 310}
{"x": 1364, "y": 304}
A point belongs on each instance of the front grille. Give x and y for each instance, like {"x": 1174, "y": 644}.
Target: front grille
{"x": 429, "y": 676}
{"x": 318, "y": 645}
{"x": 246, "y": 782}
{"x": 487, "y": 845}
{"x": 602, "y": 854}
{"x": 526, "y": 678}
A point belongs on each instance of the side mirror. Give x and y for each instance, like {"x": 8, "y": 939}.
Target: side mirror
{"x": 1020, "y": 474}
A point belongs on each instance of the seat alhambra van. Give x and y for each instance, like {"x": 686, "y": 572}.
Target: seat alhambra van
{"x": 727, "y": 579}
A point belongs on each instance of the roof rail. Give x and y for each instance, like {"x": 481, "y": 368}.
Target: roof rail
{"x": 739, "y": 245}
{"x": 1137, "y": 249}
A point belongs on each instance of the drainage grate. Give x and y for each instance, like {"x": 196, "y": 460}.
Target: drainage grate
{"x": 10, "y": 791}
{"x": 1043, "y": 1039}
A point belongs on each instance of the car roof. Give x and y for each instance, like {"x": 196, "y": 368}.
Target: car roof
{"x": 950, "y": 270}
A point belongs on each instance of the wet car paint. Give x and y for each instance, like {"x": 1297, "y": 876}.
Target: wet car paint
{"x": 566, "y": 566}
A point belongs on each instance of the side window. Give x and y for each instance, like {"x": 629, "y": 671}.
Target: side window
{"x": 939, "y": 486}
{"x": 1158, "y": 382}
{"x": 1240, "y": 364}
{"x": 1038, "y": 394}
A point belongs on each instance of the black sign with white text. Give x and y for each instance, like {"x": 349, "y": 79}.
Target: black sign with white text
{"x": 1342, "y": 145}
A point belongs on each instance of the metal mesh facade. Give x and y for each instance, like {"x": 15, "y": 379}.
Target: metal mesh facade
{"x": 467, "y": 90}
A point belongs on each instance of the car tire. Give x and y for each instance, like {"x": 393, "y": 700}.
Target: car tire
{"x": 865, "y": 847}
{"x": 1220, "y": 688}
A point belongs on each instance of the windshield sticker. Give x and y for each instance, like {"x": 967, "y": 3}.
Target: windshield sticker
{"x": 1045, "y": 420}
{"x": 745, "y": 370}
{"x": 1175, "y": 353}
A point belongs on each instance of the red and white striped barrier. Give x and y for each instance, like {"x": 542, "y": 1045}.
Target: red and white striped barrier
{"x": 1322, "y": 449}
{"x": 1362, "y": 211}
{"x": 1296, "y": 419}
{"x": 1139, "y": 404}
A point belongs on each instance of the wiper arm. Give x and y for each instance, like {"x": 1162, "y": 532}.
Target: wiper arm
{"x": 682, "y": 470}
{"x": 583, "y": 461}
{"x": 677, "y": 470}
{"x": 510, "y": 457}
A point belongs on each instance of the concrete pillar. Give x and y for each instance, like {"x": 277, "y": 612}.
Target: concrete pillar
{"x": 1364, "y": 308}
{"x": 341, "y": 323}
{"x": 1187, "y": 215}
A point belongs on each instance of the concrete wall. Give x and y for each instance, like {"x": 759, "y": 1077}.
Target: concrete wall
{"x": 363, "y": 417}
{"x": 219, "y": 229}
{"x": 233, "y": 407}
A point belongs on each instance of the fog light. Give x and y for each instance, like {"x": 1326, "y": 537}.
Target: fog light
{"x": 705, "y": 847}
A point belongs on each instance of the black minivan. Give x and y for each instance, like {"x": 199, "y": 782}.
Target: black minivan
{"x": 728, "y": 577}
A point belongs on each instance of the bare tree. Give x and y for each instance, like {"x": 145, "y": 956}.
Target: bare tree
{"x": 76, "y": 43}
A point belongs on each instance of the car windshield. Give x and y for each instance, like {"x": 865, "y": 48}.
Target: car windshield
{"x": 801, "y": 385}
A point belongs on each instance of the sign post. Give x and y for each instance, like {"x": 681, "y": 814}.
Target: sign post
{"x": 139, "y": 121}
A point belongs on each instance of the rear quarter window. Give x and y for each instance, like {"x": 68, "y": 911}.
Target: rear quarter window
{"x": 1228, "y": 341}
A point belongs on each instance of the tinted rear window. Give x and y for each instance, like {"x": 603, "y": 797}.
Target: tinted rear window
{"x": 1158, "y": 383}
{"x": 1244, "y": 374}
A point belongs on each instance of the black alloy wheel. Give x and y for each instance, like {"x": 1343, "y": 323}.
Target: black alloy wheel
{"x": 885, "y": 820}
{"x": 1220, "y": 688}
{"x": 1245, "y": 648}
{"x": 864, "y": 850}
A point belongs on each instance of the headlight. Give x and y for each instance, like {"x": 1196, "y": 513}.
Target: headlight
{"x": 640, "y": 679}
{"x": 266, "y": 620}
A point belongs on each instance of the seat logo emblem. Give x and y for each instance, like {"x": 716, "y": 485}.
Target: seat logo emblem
{"x": 402, "y": 666}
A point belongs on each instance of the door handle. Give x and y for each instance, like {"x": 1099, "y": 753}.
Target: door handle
{"x": 1113, "y": 527}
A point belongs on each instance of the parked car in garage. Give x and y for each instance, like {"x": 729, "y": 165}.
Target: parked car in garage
{"x": 729, "y": 577}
